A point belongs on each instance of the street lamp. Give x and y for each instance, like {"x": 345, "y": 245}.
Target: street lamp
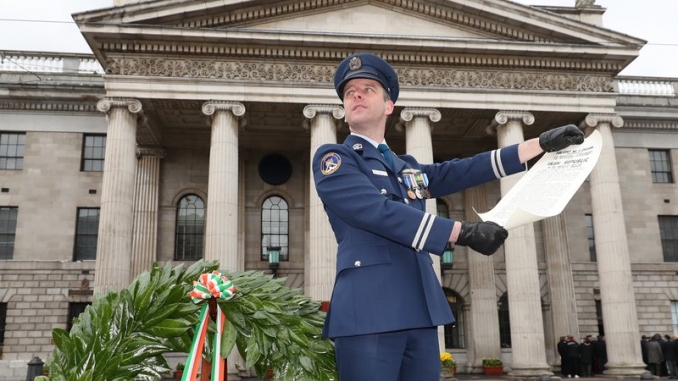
{"x": 447, "y": 258}
{"x": 273, "y": 258}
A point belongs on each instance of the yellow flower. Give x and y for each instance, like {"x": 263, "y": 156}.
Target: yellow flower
{"x": 447, "y": 360}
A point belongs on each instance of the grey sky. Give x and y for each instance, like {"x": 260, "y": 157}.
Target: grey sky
{"x": 651, "y": 20}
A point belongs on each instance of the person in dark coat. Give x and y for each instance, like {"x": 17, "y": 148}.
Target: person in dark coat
{"x": 655, "y": 357}
{"x": 643, "y": 350}
{"x": 586, "y": 358}
{"x": 671, "y": 357}
{"x": 387, "y": 301}
{"x": 572, "y": 354}
{"x": 600, "y": 353}
{"x": 562, "y": 352}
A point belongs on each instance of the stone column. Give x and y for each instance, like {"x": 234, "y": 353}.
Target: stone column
{"x": 145, "y": 237}
{"x": 612, "y": 252}
{"x": 418, "y": 127}
{"x": 221, "y": 226}
{"x": 561, "y": 283}
{"x": 522, "y": 274}
{"x": 486, "y": 341}
{"x": 321, "y": 261}
{"x": 114, "y": 246}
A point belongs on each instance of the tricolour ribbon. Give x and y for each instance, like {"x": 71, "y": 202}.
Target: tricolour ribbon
{"x": 209, "y": 285}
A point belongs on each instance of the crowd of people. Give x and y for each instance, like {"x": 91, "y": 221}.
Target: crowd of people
{"x": 583, "y": 359}
{"x": 660, "y": 355}
{"x": 588, "y": 358}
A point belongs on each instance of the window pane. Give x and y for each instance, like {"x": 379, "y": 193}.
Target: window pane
{"x": 275, "y": 226}
{"x": 93, "y": 153}
{"x": 189, "y": 229}
{"x": 668, "y": 231}
{"x": 12, "y": 150}
{"x": 660, "y": 165}
{"x": 8, "y": 221}
{"x": 86, "y": 234}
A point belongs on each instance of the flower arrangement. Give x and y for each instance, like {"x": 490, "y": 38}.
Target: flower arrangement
{"x": 447, "y": 360}
{"x": 492, "y": 362}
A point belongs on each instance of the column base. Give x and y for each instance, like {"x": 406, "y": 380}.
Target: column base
{"x": 623, "y": 370}
{"x": 529, "y": 372}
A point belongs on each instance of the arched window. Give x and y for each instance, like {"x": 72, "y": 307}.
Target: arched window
{"x": 454, "y": 333}
{"x": 189, "y": 237}
{"x": 442, "y": 209}
{"x": 275, "y": 227}
{"x": 504, "y": 322}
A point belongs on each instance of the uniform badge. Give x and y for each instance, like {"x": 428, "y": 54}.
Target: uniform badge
{"x": 357, "y": 147}
{"x": 330, "y": 163}
{"x": 355, "y": 63}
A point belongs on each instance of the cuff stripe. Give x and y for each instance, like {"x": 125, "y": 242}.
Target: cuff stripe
{"x": 497, "y": 165}
{"x": 422, "y": 226}
{"x": 429, "y": 226}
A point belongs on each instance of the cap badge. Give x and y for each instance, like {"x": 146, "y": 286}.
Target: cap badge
{"x": 355, "y": 63}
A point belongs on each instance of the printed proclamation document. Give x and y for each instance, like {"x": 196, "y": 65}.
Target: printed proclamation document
{"x": 545, "y": 190}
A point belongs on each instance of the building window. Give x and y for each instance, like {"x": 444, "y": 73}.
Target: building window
{"x": 454, "y": 332}
{"x": 674, "y": 315}
{"x": 668, "y": 231}
{"x": 599, "y": 318}
{"x": 591, "y": 237}
{"x": 74, "y": 310}
{"x": 190, "y": 233}
{"x": 86, "y": 234}
{"x": 8, "y": 216}
{"x": 93, "y": 153}
{"x": 275, "y": 227}
{"x": 3, "y": 323}
{"x": 12, "y": 147}
{"x": 660, "y": 163}
{"x": 442, "y": 209}
{"x": 504, "y": 322}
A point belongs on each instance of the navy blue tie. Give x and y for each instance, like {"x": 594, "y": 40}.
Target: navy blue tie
{"x": 383, "y": 148}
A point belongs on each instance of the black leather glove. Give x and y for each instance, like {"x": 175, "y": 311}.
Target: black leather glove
{"x": 483, "y": 237}
{"x": 560, "y": 137}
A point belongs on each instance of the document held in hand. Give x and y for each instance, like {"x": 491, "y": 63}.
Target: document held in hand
{"x": 545, "y": 190}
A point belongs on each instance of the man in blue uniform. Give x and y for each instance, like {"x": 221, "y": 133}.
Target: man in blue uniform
{"x": 387, "y": 301}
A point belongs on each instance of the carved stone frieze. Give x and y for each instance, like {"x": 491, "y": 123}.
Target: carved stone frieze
{"x": 318, "y": 73}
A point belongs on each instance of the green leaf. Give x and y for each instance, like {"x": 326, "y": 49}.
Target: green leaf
{"x": 252, "y": 352}
{"x": 228, "y": 339}
{"x": 169, "y": 328}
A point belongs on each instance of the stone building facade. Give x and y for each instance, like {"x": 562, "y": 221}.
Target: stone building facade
{"x": 211, "y": 113}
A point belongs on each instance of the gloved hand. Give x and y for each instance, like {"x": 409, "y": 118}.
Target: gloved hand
{"x": 483, "y": 237}
{"x": 560, "y": 137}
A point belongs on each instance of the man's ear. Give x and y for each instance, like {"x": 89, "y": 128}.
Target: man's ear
{"x": 389, "y": 107}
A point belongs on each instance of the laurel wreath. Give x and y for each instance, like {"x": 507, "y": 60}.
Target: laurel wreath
{"x": 124, "y": 335}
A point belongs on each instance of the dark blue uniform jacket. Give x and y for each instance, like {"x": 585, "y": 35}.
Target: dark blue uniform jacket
{"x": 385, "y": 279}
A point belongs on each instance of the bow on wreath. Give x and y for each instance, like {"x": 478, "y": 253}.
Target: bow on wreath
{"x": 209, "y": 285}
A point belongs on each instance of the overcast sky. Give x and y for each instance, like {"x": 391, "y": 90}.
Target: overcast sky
{"x": 46, "y": 25}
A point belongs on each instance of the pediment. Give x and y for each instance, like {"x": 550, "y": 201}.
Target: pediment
{"x": 489, "y": 33}
{"x": 368, "y": 19}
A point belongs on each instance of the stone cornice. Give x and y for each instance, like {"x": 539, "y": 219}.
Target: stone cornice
{"x": 650, "y": 125}
{"x": 324, "y": 74}
{"x": 54, "y": 106}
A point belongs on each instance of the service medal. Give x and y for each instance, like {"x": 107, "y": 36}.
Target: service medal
{"x": 411, "y": 194}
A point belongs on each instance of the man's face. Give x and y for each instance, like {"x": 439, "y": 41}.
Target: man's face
{"x": 365, "y": 104}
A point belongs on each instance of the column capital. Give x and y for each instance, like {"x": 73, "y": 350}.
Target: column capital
{"x": 410, "y": 113}
{"x": 311, "y": 111}
{"x": 145, "y": 150}
{"x": 106, "y": 104}
{"x": 592, "y": 120}
{"x": 210, "y": 107}
{"x": 504, "y": 116}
